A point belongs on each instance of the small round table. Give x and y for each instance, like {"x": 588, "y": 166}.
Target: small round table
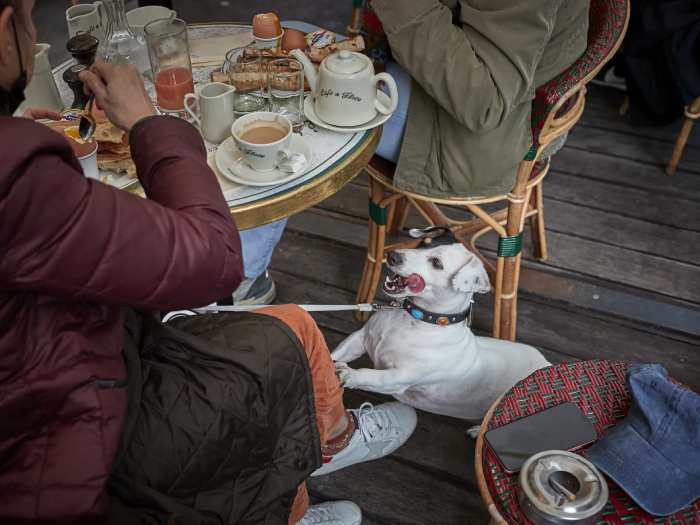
{"x": 599, "y": 389}
{"x": 337, "y": 158}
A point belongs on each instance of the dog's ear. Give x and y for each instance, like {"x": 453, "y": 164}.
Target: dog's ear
{"x": 472, "y": 277}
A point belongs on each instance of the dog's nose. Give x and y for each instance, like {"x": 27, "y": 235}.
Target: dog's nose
{"x": 394, "y": 259}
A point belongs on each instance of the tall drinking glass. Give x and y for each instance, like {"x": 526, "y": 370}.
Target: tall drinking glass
{"x": 169, "y": 51}
{"x": 248, "y": 74}
{"x": 286, "y": 89}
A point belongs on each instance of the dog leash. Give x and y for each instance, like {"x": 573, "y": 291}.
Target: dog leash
{"x": 365, "y": 307}
{"x": 308, "y": 307}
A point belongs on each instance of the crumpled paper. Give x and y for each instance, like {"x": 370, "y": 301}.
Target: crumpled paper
{"x": 290, "y": 161}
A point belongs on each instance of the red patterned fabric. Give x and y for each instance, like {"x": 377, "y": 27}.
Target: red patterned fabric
{"x": 600, "y": 391}
{"x": 370, "y": 21}
{"x": 606, "y": 28}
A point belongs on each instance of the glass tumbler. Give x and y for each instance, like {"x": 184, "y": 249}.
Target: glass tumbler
{"x": 286, "y": 89}
{"x": 248, "y": 74}
{"x": 169, "y": 51}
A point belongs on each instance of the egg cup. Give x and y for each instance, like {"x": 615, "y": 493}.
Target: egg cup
{"x": 274, "y": 43}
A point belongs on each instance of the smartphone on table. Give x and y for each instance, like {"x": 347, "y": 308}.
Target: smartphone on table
{"x": 561, "y": 427}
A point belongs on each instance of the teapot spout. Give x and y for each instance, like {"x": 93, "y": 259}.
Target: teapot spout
{"x": 309, "y": 69}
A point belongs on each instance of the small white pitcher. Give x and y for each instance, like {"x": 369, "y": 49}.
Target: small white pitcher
{"x": 215, "y": 107}
{"x": 86, "y": 18}
{"x": 42, "y": 91}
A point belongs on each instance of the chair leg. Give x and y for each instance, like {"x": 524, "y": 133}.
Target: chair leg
{"x": 375, "y": 249}
{"x": 399, "y": 216}
{"x": 510, "y": 255}
{"x": 367, "y": 271}
{"x": 498, "y": 298}
{"x": 692, "y": 112}
{"x": 539, "y": 238}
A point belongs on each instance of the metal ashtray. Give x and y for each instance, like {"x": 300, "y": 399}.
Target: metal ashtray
{"x": 558, "y": 487}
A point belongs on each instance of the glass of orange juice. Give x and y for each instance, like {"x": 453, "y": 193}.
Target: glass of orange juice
{"x": 169, "y": 51}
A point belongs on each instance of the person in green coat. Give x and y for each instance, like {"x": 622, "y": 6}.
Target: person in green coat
{"x": 463, "y": 124}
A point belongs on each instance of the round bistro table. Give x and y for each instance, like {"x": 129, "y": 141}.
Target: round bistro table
{"x": 600, "y": 391}
{"x": 337, "y": 158}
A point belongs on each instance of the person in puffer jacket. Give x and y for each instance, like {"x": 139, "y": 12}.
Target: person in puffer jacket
{"x": 109, "y": 415}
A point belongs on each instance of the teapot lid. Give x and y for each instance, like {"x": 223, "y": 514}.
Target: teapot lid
{"x": 346, "y": 62}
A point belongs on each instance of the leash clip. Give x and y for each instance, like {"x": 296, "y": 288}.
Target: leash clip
{"x": 394, "y": 305}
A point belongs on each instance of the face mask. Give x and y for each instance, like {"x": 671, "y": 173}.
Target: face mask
{"x": 12, "y": 98}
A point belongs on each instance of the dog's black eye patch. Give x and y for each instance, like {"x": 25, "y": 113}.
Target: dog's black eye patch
{"x": 437, "y": 263}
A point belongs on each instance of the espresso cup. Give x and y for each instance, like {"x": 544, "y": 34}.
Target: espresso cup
{"x": 259, "y": 154}
{"x": 214, "y": 103}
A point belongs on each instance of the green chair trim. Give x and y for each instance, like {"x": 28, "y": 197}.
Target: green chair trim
{"x": 510, "y": 246}
{"x": 378, "y": 214}
{"x": 531, "y": 153}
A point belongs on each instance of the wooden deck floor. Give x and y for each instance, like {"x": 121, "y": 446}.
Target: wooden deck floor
{"x": 622, "y": 281}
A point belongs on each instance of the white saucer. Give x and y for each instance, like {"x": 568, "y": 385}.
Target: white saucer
{"x": 230, "y": 162}
{"x": 380, "y": 119}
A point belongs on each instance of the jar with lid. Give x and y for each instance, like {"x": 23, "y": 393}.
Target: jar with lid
{"x": 121, "y": 45}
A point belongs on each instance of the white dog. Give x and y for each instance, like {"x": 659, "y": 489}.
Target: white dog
{"x": 425, "y": 355}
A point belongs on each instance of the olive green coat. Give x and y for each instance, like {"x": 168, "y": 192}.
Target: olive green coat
{"x": 475, "y": 65}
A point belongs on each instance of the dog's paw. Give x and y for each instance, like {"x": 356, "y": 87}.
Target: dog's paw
{"x": 345, "y": 374}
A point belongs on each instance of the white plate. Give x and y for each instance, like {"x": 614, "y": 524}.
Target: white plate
{"x": 230, "y": 162}
{"x": 380, "y": 119}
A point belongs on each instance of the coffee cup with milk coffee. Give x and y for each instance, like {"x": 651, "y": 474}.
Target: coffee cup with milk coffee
{"x": 260, "y": 136}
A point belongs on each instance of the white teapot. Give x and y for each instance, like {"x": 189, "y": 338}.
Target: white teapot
{"x": 345, "y": 88}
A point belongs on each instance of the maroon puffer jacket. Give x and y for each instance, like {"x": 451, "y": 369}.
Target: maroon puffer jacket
{"x": 72, "y": 252}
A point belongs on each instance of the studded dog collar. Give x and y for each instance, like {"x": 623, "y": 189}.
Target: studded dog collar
{"x": 429, "y": 317}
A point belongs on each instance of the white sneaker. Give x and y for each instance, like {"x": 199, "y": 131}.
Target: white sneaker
{"x": 380, "y": 430}
{"x": 333, "y": 513}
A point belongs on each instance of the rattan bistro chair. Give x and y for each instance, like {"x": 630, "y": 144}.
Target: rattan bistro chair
{"x": 558, "y": 105}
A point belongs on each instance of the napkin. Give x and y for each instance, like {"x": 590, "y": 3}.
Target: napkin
{"x": 212, "y": 50}
{"x": 290, "y": 161}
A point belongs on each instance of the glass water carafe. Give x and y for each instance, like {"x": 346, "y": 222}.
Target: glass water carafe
{"x": 121, "y": 45}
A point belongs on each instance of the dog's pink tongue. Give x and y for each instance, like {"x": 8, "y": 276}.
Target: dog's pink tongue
{"x": 415, "y": 283}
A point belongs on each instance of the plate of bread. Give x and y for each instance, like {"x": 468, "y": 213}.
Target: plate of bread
{"x": 317, "y": 46}
{"x": 114, "y": 160}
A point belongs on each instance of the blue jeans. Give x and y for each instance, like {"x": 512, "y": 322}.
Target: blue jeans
{"x": 258, "y": 245}
{"x": 394, "y": 128}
